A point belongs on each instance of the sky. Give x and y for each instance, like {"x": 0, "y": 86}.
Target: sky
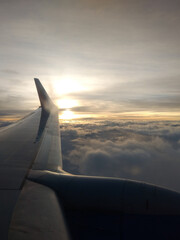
{"x": 113, "y": 69}
{"x": 117, "y": 59}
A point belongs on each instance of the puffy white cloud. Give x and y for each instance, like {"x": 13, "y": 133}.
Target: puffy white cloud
{"x": 146, "y": 151}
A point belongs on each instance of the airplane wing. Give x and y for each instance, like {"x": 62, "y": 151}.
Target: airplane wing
{"x": 38, "y": 200}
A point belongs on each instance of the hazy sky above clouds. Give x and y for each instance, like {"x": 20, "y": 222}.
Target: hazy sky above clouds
{"x": 114, "y": 58}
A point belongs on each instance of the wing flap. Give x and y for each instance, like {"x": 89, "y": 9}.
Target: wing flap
{"x": 37, "y": 215}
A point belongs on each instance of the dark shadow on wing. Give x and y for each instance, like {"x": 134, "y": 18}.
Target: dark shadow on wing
{"x": 42, "y": 124}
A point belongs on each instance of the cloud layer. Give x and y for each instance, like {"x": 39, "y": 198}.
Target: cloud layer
{"x": 146, "y": 151}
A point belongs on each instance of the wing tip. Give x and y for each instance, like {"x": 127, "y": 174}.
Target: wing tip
{"x": 43, "y": 96}
{"x": 37, "y": 82}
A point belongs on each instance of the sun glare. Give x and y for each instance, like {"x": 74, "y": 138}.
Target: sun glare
{"x": 67, "y": 103}
{"x": 66, "y": 85}
{"x": 67, "y": 115}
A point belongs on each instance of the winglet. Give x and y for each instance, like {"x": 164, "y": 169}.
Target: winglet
{"x": 43, "y": 96}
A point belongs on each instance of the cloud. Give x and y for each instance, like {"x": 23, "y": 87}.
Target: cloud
{"x": 13, "y": 112}
{"x": 10, "y": 71}
{"x": 145, "y": 151}
{"x": 5, "y": 123}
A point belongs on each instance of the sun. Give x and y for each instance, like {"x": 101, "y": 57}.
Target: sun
{"x": 67, "y": 115}
{"x": 66, "y": 103}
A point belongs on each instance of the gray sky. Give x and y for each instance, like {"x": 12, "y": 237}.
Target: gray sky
{"x": 118, "y": 57}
